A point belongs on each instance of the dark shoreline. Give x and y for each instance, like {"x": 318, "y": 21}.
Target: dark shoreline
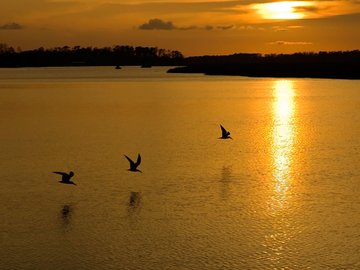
{"x": 323, "y": 64}
{"x": 333, "y": 65}
{"x": 65, "y": 56}
{"x": 289, "y": 70}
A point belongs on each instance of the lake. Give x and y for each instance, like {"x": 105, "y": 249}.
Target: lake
{"x": 283, "y": 194}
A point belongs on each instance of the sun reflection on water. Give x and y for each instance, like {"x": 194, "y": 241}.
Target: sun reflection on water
{"x": 283, "y": 135}
{"x": 282, "y": 151}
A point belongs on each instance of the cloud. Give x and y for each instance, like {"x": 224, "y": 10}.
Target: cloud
{"x": 250, "y": 27}
{"x": 286, "y": 28}
{"x": 191, "y": 27}
{"x": 225, "y": 27}
{"x": 281, "y": 42}
{"x": 157, "y": 24}
{"x": 11, "y": 26}
{"x": 309, "y": 9}
{"x": 295, "y": 27}
{"x": 209, "y": 27}
{"x": 174, "y": 7}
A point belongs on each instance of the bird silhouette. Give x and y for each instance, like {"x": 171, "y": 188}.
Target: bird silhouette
{"x": 65, "y": 179}
{"x": 224, "y": 133}
{"x": 133, "y": 165}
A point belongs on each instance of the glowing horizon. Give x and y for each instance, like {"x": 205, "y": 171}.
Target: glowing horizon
{"x": 190, "y": 26}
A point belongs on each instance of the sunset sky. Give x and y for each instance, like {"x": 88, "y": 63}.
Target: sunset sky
{"x": 193, "y": 27}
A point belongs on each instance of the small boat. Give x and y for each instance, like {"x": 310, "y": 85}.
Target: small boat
{"x": 117, "y": 67}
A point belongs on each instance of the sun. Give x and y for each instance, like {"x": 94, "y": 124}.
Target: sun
{"x": 286, "y": 10}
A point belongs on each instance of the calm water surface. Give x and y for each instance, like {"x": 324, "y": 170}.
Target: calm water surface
{"x": 284, "y": 194}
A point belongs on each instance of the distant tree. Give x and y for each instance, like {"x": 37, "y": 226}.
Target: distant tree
{"x": 5, "y": 48}
{"x": 77, "y": 55}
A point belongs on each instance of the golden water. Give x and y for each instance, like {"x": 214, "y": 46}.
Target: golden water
{"x": 284, "y": 194}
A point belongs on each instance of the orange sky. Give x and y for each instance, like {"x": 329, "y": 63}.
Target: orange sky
{"x": 193, "y": 27}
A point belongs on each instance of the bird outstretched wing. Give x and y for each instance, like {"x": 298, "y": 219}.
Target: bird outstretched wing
{"x": 61, "y": 173}
{"x": 138, "y": 161}
{"x": 132, "y": 163}
{"x": 223, "y": 131}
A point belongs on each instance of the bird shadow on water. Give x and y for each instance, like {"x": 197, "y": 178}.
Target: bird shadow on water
{"x": 225, "y": 181}
{"x": 66, "y": 215}
{"x": 134, "y": 204}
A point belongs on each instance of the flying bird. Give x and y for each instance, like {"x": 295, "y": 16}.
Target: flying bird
{"x": 224, "y": 133}
{"x": 133, "y": 165}
{"x": 65, "y": 179}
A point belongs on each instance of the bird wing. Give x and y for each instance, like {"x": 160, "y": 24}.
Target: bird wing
{"x": 138, "y": 161}
{"x": 223, "y": 131}
{"x": 132, "y": 163}
{"x": 61, "y": 173}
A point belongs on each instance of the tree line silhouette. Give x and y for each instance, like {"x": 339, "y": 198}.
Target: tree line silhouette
{"x": 333, "y": 64}
{"x": 336, "y": 64}
{"x": 89, "y": 56}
